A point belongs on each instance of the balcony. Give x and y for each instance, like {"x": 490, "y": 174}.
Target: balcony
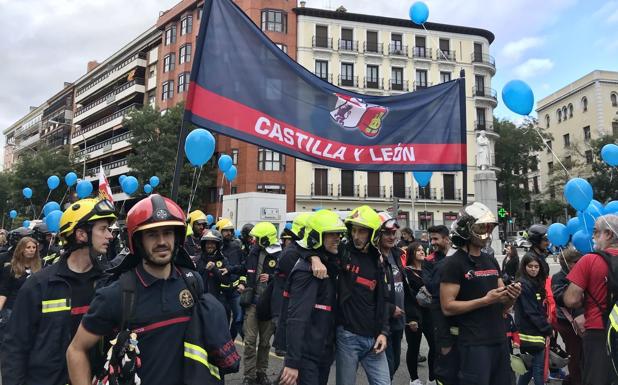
{"x": 325, "y": 77}
{"x": 421, "y": 85}
{"x": 375, "y": 191}
{"x": 25, "y": 131}
{"x": 104, "y": 124}
{"x": 426, "y": 194}
{"x": 373, "y": 83}
{"x": 348, "y": 46}
{"x": 129, "y": 88}
{"x": 396, "y": 49}
{"x": 373, "y": 48}
{"x": 484, "y": 61}
{"x": 445, "y": 55}
{"x": 322, "y": 190}
{"x": 347, "y": 81}
{"x": 483, "y": 126}
{"x": 114, "y": 168}
{"x": 422, "y": 53}
{"x": 111, "y": 144}
{"x": 400, "y": 86}
{"x": 27, "y": 142}
{"x": 348, "y": 191}
{"x": 325, "y": 43}
{"x": 486, "y": 94}
{"x": 119, "y": 70}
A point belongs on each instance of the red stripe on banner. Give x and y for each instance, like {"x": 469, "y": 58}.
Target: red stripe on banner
{"x": 80, "y": 310}
{"x": 242, "y": 118}
{"x": 161, "y": 324}
{"x": 366, "y": 282}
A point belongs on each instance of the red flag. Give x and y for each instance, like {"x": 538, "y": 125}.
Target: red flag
{"x": 105, "y": 192}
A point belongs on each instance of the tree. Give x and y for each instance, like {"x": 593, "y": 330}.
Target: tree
{"x": 604, "y": 179}
{"x": 154, "y": 142}
{"x": 516, "y": 154}
{"x": 550, "y": 211}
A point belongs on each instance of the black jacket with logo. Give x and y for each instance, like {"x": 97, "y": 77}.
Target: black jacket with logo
{"x": 268, "y": 267}
{"x": 531, "y": 316}
{"x": 213, "y": 278}
{"x": 411, "y": 312}
{"x": 232, "y": 250}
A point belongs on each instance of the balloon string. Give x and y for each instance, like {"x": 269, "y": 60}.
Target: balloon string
{"x": 220, "y": 204}
{"x": 435, "y": 41}
{"x": 191, "y": 190}
{"x": 197, "y": 181}
{"x": 64, "y": 196}
{"x": 44, "y": 203}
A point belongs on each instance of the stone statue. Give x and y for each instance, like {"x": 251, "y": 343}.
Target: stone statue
{"x": 483, "y": 157}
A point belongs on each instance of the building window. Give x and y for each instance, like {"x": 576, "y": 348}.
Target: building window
{"x": 372, "y": 76}
{"x": 568, "y": 162}
{"x": 235, "y": 156}
{"x": 347, "y": 74}
{"x": 152, "y": 71}
{"x": 550, "y": 167}
{"x": 479, "y": 84}
{"x": 549, "y": 147}
{"x": 547, "y": 121}
{"x": 274, "y": 21}
{"x": 269, "y": 160}
{"x": 564, "y": 112}
{"x": 373, "y": 184}
{"x": 420, "y": 47}
{"x": 421, "y": 79}
{"x": 321, "y": 69}
{"x": 183, "y": 82}
{"x": 570, "y": 110}
{"x": 320, "y": 182}
{"x": 186, "y": 25}
{"x": 347, "y": 39}
{"x": 584, "y": 104}
{"x": 399, "y": 184}
{"x": 535, "y": 184}
{"x": 271, "y": 188}
{"x": 397, "y": 79}
{"x": 448, "y": 181}
{"x": 167, "y": 90}
{"x": 567, "y": 140}
{"x": 169, "y": 62}
{"x": 321, "y": 36}
{"x": 184, "y": 55}
{"x": 559, "y": 114}
{"x": 445, "y": 77}
{"x": 372, "y": 42}
{"x": 170, "y": 35}
{"x": 587, "y": 136}
{"x": 614, "y": 98}
{"x": 282, "y": 47}
{"x": 397, "y": 44}
{"x": 425, "y": 219}
{"x": 481, "y": 123}
{"x": 347, "y": 183}
{"x": 589, "y": 157}
{"x": 199, "y": 12}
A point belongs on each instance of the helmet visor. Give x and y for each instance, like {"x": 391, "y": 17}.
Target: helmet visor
{"x": 104, "y": 207}
{"x": 482, "y": 230}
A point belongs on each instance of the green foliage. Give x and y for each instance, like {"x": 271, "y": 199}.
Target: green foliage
{"x": 604, "y": 179}
{"x": 154, "y": 142}
{"x": 550, "y": 211}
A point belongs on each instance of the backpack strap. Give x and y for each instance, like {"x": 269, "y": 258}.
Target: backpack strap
{"x": 191, "y": 281}
{"x": 608, "y": 298}
{"x": 128, "y": 285}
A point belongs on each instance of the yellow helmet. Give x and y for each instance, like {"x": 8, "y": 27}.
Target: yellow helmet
{"x": 197, "y": 216}
{"x": 224, "y": 224}
{"x": 298, "y": 225}
{"x": 82, "y": 212}
{"x": 365, "y": 216}
{"x": 265, "y": 234}
{"x": 320, "y": 223}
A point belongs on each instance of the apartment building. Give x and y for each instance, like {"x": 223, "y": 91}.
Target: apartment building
{"x": 23, "y": 136}
{"x": 57, "y": 119}
{"x": 103, "y": 97}
{"x": 386, "y": 56}
{"x": 574, "y": 115}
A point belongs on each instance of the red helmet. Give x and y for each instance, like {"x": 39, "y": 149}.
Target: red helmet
{"x": 155, "y": 211}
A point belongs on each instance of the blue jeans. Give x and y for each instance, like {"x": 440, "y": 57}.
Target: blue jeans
{"x": 353, "y": 349}
{"x": 536, "y": 371}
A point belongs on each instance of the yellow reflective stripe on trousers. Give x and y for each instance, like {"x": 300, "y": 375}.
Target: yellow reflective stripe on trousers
{"x": 54, "y": 305}
{"x": 234, "y": 284}
{"x": 533, "y": 339}
{"x": 198, "y": 354}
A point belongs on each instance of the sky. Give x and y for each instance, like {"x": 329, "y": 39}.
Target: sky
{"x": 547, "y": 43}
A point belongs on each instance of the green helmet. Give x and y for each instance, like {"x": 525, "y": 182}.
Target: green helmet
{"x": 298, "y": 225}
{"x": 265, "y": 234}
{"x": 320, "y": 223}
{"x": 365, "y": 216}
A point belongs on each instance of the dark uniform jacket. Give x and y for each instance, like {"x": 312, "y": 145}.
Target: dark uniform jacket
{"x": 411, "y": 312}
{"x": 306, "y": 328}
{"x": 531, "y": 316}
{"x": 193, "y": 246}
{"x": 232, "y": 251}
{"x": 268, "y": 267}
{"x": 39, "y": 331}
{"x": 284, "y": 267}
{"x": 444, "y": 327}
{"x": 213, "y": 278}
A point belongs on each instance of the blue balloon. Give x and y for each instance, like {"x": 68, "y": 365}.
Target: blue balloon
{"x": 147, "y": 188}
{"x": 84, "y": 189}
{"x": 26, "y": 223}
{"x": 419, "y": 12}
{"x": 578, "y": 192}
{"x": 53, "y": 182}
{"x": 288, "y": 225}
{"x": 582, "y": 241}
{"x": 121, "y": 178}
{"x": 13, "y": 214}
{"x": 225, "y": 162}
{"x": 27, "y": 191}
{"x": 230, "y": 174}
{"x": 199, "y": 147}
{"x": 52, "y": 220}
{"x": 70, "y": 179}
{"x": 49, "y": 207}
{"x": 558, "y": 234}
{"x": 518, "y": 97}
{"x": 573, "y": 225}
{"x": 422, "y": 177}
{"x": 154, "y": 181}
{"x": 611, "y": 208}
{"x": 129, "y": 185}
{"x": 210, "y": 219}
{"x": 609, "y": 154}
{"x": 237, "y": 233}
{"x": 598, "y": 206}
{"x": 588, "y": 217}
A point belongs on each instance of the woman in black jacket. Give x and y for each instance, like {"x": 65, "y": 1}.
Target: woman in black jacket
{"x": 416, "y": 328}
{"x": 510, "y": 264}
{"x": 531, "y": 318}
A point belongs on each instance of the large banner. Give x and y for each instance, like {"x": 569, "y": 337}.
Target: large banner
{"x": 244, "y": 86}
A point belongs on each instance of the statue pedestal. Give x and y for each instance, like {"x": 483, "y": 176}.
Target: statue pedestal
{"x": 485, "y": 192}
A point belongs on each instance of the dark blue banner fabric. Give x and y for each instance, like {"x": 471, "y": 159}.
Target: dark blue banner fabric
{"x": 244, "y": 86}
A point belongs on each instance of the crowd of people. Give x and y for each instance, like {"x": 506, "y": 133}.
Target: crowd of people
{"x": 169, "y": 299}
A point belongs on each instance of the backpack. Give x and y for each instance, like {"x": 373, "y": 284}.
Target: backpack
{"x": 123, "y": 356}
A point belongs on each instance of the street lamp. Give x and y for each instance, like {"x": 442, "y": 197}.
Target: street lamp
{"x": 77, "y": 127}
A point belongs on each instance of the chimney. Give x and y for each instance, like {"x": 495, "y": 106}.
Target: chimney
{"x": 303, "y": 3}
{"x": 92, "y": 64}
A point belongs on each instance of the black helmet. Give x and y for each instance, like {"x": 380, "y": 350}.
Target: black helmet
{"x": 536, "y": 234}
{"x": 212, "y": 235}
{"x": 40, "y": 232}
{"x": 473, "y": 220}
{"x": 245, "y": 230}
{"x": 17, "y": 234}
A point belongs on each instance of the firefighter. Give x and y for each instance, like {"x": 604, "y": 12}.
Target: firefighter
{"x": 197, "y": 224}
{"x": 213, "y": 266}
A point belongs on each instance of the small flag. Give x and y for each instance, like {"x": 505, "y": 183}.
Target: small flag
{"x": 105, "y": 192}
